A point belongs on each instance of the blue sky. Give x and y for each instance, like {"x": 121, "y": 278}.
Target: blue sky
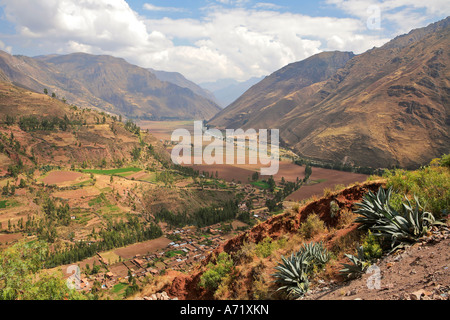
{"x": 207, "y": 40}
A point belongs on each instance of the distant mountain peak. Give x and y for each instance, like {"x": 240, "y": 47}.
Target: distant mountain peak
{"x": 107, "y": 83}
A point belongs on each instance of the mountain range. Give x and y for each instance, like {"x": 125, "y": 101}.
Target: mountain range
{"x": 389, "y": 106}
{"x": 108, "y": 84}
{"x": 227, "y": 91}
{"x": 181, "y": 81}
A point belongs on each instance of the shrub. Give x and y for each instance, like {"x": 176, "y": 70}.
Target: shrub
{"x": 216, "y": 272}
{"x": 430, "y": 184}
{"x": 245, "y": 254}
{"x": 327, "y": 192}
{"x": 312, "y": 226}
{"x": 445, "y": 161}
{"x": 264, "y": 248}
{"x": 372, "y": 247}
{"x": 346, "y": 218}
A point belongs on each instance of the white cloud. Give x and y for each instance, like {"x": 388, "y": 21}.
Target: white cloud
{"x": 151, "y": 7}
{"x": 5, "y": 47}
{"x": 403, "y": 14}
{"x": 267, "y": 5}
{"x": 258, "y": 42}
{"x": 237, "y": 42}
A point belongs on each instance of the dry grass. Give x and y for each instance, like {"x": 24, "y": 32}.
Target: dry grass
{"x": 346, "y": 218}
{"x": 155, "y": 284}
{"x": 347, "y": 243}
{"x": 312, "y": 226}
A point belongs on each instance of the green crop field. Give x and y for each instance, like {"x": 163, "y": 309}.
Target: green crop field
{"x": 114, "y": 171}
{"x": 260, "y": 184}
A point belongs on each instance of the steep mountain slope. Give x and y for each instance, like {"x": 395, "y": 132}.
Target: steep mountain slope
{"x": 107, "y": 83}
{"x": 36, "y": 129}
{"x": 389, "y": 106}
{"x": 181, "y": 81}
{"x": 258, "y": 107}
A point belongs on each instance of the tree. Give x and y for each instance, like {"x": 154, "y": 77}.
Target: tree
{"x": 308, "y": 172}
{"x": 45, "y": 91}
{"x": 136, "y": 153}
{"x": 20, "y": 278}
{"x": 272, "y": 184}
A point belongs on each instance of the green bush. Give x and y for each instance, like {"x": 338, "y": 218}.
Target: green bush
{"x": 216, "y": 272}
{"x": 445, "y": 161}
{"x": 264, "y": 248}
{"x": 21, "y": 277}
{"x": 372, "y": 247}
{"x": 430, "y": 184}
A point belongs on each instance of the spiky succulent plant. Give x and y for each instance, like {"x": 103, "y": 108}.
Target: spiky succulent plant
{"x": 358, "y": 265}
{"x": 315, "y": 252}
{"x": 292, "y": 275}
{"x": 404, "y": 226}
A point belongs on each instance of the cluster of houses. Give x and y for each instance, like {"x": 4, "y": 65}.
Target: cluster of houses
{"x": 186, "y": 250}
{"x": 179, "y": 255}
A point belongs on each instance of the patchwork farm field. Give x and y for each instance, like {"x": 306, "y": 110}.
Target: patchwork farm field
{"x": 321, "y": 179}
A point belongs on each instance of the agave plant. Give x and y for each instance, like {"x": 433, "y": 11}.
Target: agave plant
{"x": 293, "y": 275}
{"x": 406, "y": 226}
{"x": 412, "y": 223}
{"x": 315, "y": 252}
{"x": 374, "y": 208}
{"x": 358, "y": 266}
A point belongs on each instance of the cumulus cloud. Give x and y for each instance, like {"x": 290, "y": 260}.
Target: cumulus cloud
{"x": 258, "y": 42}
{"x": 403, "y": 14}
{"x": 232, "y": 38}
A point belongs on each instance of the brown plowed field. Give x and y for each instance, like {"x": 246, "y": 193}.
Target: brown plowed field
{"x": 57, "y": 177}
{"x": 142, "y": 248}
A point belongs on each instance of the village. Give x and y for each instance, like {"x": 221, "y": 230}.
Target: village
{"x": 185, "y": 248}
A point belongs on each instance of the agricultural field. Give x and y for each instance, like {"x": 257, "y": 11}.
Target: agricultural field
{"x": 325, "y": 179}
{"x": 320, "y": 180}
